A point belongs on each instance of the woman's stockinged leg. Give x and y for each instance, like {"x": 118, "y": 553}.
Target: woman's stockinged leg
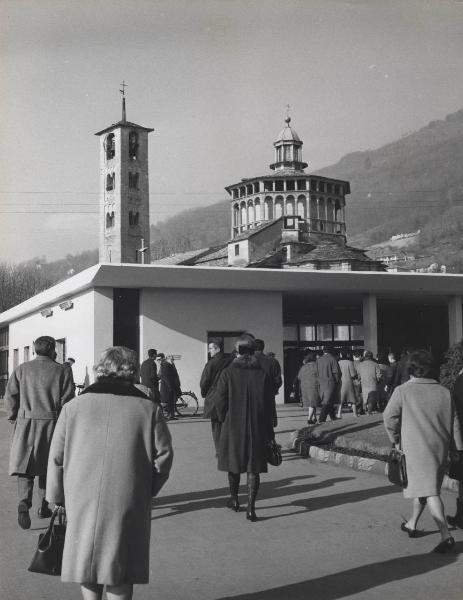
{"x": 253, "y": 488}
{"x": 119, "y": 592}
{"x": 91, "y": 591}
{"x": 418, "y": 507}
{"x": 436, "y": 508}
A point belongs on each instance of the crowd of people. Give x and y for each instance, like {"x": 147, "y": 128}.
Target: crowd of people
{"x": 105, "y": 473}
{"x": 354, "y": 380}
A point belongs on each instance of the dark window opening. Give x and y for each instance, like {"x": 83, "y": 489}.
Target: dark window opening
{"x": 110, "y": 181}
{"x": 279, "y": 185}
{"x": 256, "y": 187}
{"x": 109, "y": 220}
{"x": 133, "y": 180}
{"x": 110, "y": 145}
{"x": 126, "y": 318}
{"x": 290, "y": 185}
{"x": 237, "y": 249}
{"x": 133, "y": 145}
{"x": 268, "y": 186}
{"x": 133, "y": 219}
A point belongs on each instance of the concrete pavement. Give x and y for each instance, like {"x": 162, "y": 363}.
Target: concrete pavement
{"x": 324, "y": 532}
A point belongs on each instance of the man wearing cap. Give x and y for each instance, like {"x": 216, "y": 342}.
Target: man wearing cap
{"x": 34, "y": 396}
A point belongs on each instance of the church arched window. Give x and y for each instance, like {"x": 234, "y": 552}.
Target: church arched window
{"x": 244, "y": 214}
{"x": 109, "y": 220}
{"x": 110, "y": 146}
{"x": 135, "y": 219}
{"x": 251, "y": 212}
{"x": 236, "y": 215}
{"x": 110, "y": 181}
{"x": 133, "y": 145}
{"x": 289, "y": 205}
{"x": 301, "y": 206}
{"x": 278, "y": 206}
{"x": 268, "y": 208}
{"x": 133, "y": 180}
{"x": 257, "y": 211}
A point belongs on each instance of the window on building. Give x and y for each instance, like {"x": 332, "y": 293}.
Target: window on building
{"x": 60, "y": 350}
{"x": 110, "y": 181}
{"x": 325, "y": 333}
{"x": 279, "y": 185}
{"x": 329, "y": 188}
{"x": 290, "y": 185}
{"x": 133, "y": 145}
{"x": 242, "y": 191}
{"x": 307, "y": 333}
{"x": 109, "y": 220}
{"x": 133, "y": 180}
{"x": 256, "y": 187}
{"x": 268, "y": 186}
{"x": 341, "y": 333}
{"x": 268, "y": 209}
{"x": 301, "y": 184}
{"x": 235, "y": 193}
{"x": 15, "y": 358}
{"x": 110, "y": 146}
{"x": 237, "y": 249}
{"x": 336, "y": 189}
{"x": 249, "y": 189}
{"x": 290, "y": 333}
{"x": 227, "y": 339}
{"x": 26, "y": 353}
{"x": 321, "y": 186}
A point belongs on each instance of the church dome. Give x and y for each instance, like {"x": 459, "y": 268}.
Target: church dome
{"x": 288, "y": 134}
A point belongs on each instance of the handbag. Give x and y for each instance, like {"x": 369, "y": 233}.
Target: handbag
{"x": 455, "y": 466}
{"x": 397, "y": 468}
{"x": 49, "y": 554}
{"x": 274, "y": 457}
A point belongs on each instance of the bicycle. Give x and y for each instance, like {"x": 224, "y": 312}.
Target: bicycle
{"x": 186, "y": 405}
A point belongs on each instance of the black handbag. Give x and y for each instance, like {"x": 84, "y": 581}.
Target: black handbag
{"x": 397, "y": 468}
{"x": 455, "y": 466}
{"x": 49, "y": 554}
{"x": 274, "y": 457}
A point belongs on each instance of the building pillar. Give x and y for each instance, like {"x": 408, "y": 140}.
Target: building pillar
{"x": 455, "y": 310}
{"x": 370, "y": 323}
{"x": 318, "y": 209}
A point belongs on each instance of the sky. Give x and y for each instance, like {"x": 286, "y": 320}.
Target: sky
{"x": 213, "y": 78}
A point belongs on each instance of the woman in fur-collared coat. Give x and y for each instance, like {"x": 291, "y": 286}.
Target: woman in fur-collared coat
{"x": 110, "y": 453}
{"x": 245, "y": 404}
{"x": 420, "y": 416}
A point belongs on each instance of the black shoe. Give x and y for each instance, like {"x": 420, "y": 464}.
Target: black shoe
{"x": 44, "y": 512}
{"x": 411, "y": 532}
{"x": 251, "y": 515}
{"x": 24, "y": 520}
{"x": 233, "y": 504}
{"x": 445, "y": 546}
{"x": 172, "y": 419}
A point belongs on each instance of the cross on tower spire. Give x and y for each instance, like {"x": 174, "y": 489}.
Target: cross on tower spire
{"x": 122, "y": 91}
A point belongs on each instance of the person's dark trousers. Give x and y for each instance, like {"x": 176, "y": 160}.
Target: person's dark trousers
{"x": 26, "y": 488}
{"x": 171, "y": 405}
{"x": 327, "y": 396}
{"x": 216, "y": 427}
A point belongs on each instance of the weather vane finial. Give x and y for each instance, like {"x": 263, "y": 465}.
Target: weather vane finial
{"x": 122, "y": 91}
{"x": 124, "y": 85}
{"x": 288, "y": 118}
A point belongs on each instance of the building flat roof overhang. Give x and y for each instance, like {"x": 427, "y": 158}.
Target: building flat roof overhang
{"x": 229, "y": 279}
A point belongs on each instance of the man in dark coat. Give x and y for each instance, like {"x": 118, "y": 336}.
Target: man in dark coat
{"x": 209, "y": 377}
{"x": 329, "y": 377}
{"x": 401, "y": 374}
{"x": 169, "y": 389}
{"x": 271, "y": 366}
{"x": 245, "y": 403}
{"x": 149, "y": 374}
{"x": 34, "y": 396}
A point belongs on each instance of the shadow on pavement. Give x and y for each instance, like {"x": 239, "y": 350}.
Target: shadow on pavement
{"x": 322, "y": 502}
{"x": 187, "y": 502}
{"x": 357, "y": 580}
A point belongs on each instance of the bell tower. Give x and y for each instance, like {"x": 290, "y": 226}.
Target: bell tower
{"x": 124, "y": 235}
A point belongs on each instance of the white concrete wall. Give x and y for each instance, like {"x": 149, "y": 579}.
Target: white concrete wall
{"x": 177, "y": 322}
{"x": 87, "y": 329}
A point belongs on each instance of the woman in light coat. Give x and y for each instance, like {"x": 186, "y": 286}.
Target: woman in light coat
{"x": 110, "y": 453}
{"x": 348, "y": 374}
{"x": 420, "y": 416}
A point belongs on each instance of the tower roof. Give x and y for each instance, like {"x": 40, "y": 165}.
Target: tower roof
{"x": 288, "y": 134}
{"x": 124, "y": 124}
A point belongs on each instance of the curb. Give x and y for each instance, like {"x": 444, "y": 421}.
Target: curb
{"x": 298, "y": 444}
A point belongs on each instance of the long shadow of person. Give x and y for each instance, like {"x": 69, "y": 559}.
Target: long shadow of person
{"x": 182, "y": 503}
{"x": 357, "y": 580}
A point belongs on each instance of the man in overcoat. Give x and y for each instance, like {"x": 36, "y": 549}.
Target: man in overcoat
{"x": 208, "y": 383}
{"x": 271, "y": 366}
{"x": 329, "y": 377}
{"x": 169, "y": 389}
{"x": 149, "y": 373}
{"x": 34, "y": 396}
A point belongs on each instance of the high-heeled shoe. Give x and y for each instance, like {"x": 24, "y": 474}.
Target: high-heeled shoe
{"x": 445, "y": 546}
{"x": 411, "y": 532}
{"x": 251, "y": 515}
{"x": 233, "y": 504}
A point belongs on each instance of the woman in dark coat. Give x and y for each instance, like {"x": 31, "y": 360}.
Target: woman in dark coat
{"x": 245, "y": 404}
{"x": 420, "y": 416}
{"x": 308, "y": 384}
{"x": 111, "y": 452}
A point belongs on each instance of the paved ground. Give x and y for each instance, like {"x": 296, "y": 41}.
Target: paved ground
{"x": 325, "y": 533}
